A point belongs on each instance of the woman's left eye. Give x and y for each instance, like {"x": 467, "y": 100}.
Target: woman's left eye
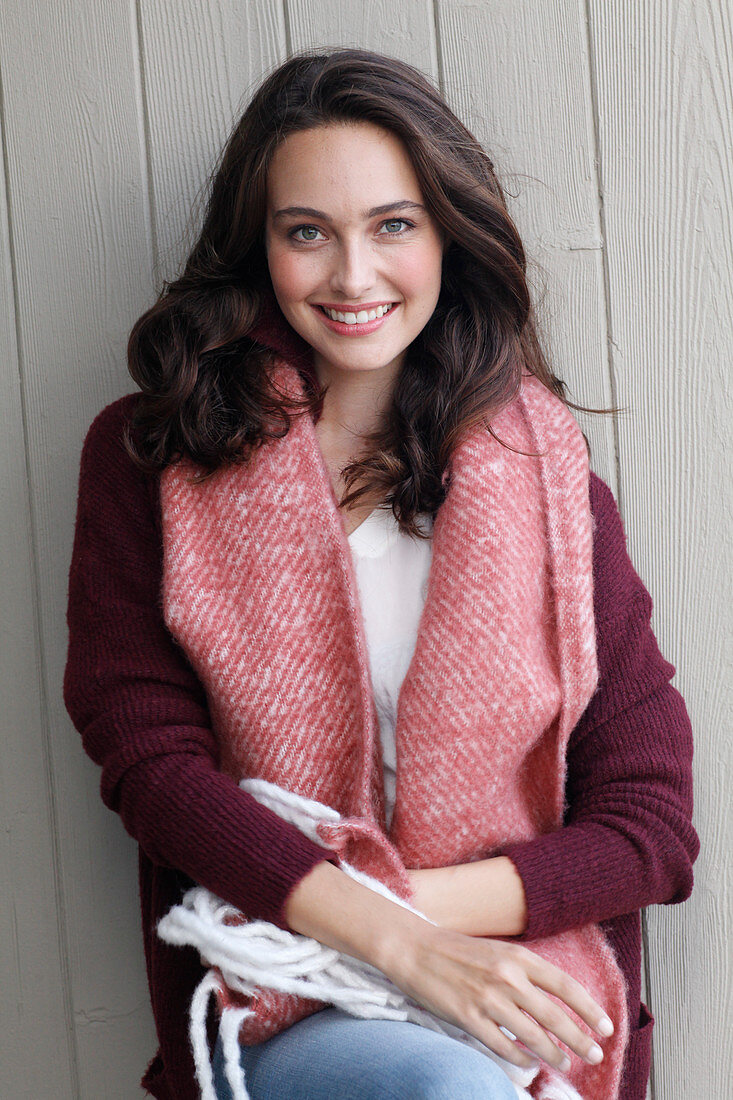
{"x": 394, "y": 222}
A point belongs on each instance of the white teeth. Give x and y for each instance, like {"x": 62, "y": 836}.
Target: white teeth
{"x": 359, "y": 318}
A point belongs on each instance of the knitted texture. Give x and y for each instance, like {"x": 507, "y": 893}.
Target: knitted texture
{"x": 242, "y": 956}
{"x": 627, "y": 839}
{"x": 259, "y": 591}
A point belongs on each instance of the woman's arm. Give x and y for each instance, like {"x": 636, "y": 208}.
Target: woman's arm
{"x": 142, "y": 712}
{"x": 627, "y": 840}
{"x": 485, "y": 898}
{"x": 479, "y": 984}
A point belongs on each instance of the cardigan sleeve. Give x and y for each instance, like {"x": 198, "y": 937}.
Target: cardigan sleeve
{"x": 627, "y": 839}
{"x": 141, "y": 710}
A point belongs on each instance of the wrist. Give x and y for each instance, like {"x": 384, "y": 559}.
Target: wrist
{"x": 331, "y": 907}
{"x": 484, "y": 898}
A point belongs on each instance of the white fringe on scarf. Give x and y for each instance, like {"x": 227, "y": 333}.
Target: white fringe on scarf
{"x": 257, "y": 954}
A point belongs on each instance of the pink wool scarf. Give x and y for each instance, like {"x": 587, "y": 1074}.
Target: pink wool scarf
{"x": 259, "y": 590}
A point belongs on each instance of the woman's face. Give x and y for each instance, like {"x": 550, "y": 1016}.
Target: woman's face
{"x": 347, "y": 230}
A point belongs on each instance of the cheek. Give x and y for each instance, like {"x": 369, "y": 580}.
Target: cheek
{"x": 420, "y": 272}
{"x": 291, "y": 276}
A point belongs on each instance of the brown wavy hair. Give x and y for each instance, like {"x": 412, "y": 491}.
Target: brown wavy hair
{"x": 204, "y": 377}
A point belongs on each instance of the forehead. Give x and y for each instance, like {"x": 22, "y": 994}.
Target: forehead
{"x": 351, "y": 166}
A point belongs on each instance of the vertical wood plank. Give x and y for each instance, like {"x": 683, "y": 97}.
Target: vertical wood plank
{"x": 201, "y": 64}
{"x": 109, "y": 135}
{"x": 34, "y": 1008}
{"x": 518, "y": 75}
{"x": 405, "y": 30}
{"x": 665, "y": 107}
{"x": 78, "y": 208}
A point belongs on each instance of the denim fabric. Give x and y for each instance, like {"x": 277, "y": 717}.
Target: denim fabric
{"x": 334, "y": 1056}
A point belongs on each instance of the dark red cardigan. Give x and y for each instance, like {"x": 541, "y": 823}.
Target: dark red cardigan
{"x": 627, "y": 840}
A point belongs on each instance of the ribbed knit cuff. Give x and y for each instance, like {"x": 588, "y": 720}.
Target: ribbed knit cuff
{"x": 557, "y": 895}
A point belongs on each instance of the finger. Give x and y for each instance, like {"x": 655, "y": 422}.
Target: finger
{"x": 491, "y": 1035}
{"x": 534, "y": 1037}
{"x": 553, "y": 1020}
{"x": 553, "y": 980}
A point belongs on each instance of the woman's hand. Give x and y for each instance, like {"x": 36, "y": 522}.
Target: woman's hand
{"x": 482, "y": 985}
{"x": 484, "y": 898}
{"x": 477, "y": 984}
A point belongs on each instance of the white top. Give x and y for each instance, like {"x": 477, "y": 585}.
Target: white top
{"x": 392, "y": 574}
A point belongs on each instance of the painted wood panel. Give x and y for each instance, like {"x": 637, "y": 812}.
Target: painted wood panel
{"x": 81, "y": 246}
{"x": 34, "y": 1009}
{"x": 612, "y": 130}
{"x": 663, "y": 81}
{"x": 518, "y": 75}
{"x": 201, "y": 62}
{"x": 405, "y": 30}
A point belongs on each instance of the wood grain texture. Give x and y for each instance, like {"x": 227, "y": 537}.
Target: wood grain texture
{"x": 663, "y": 82}
{"x": 612, "y": 130}
{"x": 405, "y": 29}
{"x": 81, "y": 250}
{"x": 201, "y": 64}
{"x": 518, "y": 75}
{"x": 34, "y": 1006}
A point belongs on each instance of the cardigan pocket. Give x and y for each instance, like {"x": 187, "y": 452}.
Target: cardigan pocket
{"x": 638, "y": 1057}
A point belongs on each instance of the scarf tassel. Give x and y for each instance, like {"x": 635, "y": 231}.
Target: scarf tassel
{"x": 245, "y": 956}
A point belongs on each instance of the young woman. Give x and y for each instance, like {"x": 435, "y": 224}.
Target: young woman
{"x": 345, "y": 539}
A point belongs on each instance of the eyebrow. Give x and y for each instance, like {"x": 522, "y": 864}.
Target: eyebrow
{"x": 309, "y": 212}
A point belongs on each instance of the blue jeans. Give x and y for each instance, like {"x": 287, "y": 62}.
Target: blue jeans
{"x": 334, "y": 1056}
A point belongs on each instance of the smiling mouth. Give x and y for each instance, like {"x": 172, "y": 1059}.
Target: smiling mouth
{"x": 362, "y": 317}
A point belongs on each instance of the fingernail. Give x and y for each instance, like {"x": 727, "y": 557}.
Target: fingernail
{"x": 564, "y": 1065}
{"x": 605, "y": 1026}
{"x": 595, "y": 1055}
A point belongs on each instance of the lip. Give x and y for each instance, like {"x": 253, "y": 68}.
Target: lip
{"x": 342, "y": 329}
{"x": 353, "y": 309}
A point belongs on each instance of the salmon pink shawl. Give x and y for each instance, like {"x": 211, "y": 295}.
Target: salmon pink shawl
{"x": 259, "y": 590}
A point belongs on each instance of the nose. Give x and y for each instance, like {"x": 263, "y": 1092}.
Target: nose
{"x": 353, "y": 271}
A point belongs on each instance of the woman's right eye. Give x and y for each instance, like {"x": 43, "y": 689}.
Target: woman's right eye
{"x": 305, "y": 229}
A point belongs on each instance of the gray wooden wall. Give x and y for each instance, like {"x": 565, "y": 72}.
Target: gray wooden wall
{"x": 613, "y": 123}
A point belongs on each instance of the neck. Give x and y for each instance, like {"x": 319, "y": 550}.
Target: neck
{"x": 356, "y": 402}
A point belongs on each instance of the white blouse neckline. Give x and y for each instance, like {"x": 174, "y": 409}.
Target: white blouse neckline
{"x": 374, "y": 534}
